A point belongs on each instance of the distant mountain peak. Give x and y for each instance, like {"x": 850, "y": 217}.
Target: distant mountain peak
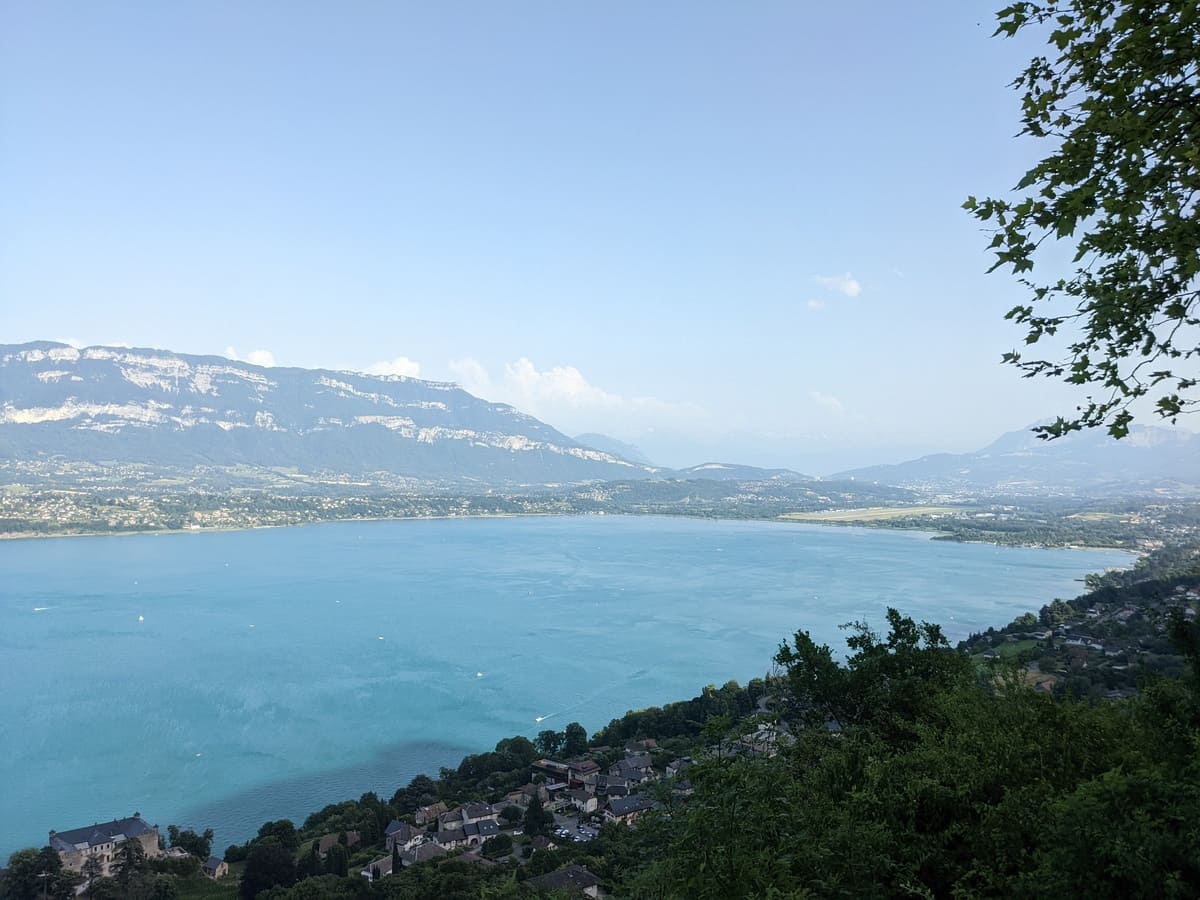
{"x": 1020, "y": 462}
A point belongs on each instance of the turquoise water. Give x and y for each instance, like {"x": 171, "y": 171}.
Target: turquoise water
{"x": 220, "y": 680}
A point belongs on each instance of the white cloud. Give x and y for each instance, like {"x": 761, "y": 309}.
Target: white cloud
{"x": 563, "y": 397}
{"x": 562, "y": 385}
{"x": 816, "y": 305}
{"x": 254, "y": 357}
{"x": 401, "y": 365}
{"x": 472, "y": 376}
{"x": 846, "y": 284}
{"x": 828, "y": 402}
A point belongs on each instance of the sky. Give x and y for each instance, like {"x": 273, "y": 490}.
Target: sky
{"x": 717, "y": 231}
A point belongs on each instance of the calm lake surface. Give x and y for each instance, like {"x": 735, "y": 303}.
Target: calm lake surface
{"x": 220, "y": 680}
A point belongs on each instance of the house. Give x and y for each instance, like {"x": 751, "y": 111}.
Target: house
{"x": 325, "y": 844}
{"x": 568, "y": 772}
{"x": 522, "y": 796}
{"x": 450, "y": 839}
{"x": 102, "y": 841}
{"x": 467, "y": 814}
{"x": 478, "y": 812}
{"x": 582, "y": 770}
{"x": 473, "y": 834}
{"x": 628, "y": 810}
{"x": 678, "y": 765}
{"x": 519, "y": 799}
{"x": 379, "y": 868}
{"x": 422, "y": 853}
{"x": 176, "y": 853}
{"x": 478, "y": 832}
{"x": 583, "y": 801}
{"x": 571, "y": 880}
{"x": 635, "y": 769}
{"x": 402, "y": 834}
{"x": 634, "y": 747}
{"x": 550, "y": 770}
{"x": 608, "y": 786}
{"x": 427, "y": 814}
{"x": 215, "y": 868}
{"x": 764, "y": 741}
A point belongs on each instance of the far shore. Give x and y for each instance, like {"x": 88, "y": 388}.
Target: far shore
{"x": 871, "y": 517}
{"x": 216, "y": 529}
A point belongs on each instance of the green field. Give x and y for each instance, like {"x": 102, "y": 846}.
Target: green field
{"x": 872, "y": 514}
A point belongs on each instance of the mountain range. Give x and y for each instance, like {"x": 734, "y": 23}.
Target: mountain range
{"x": 1020, "y": 463}
{"x": 176, "y": 410}
{"x": 153, "y": 410}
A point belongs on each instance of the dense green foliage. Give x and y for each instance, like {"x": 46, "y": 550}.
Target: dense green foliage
{"x": 1116, "y": 97}
{"x": 268, "y": 864}
{"x": 198, "y": 845}
{"x": 1106, "y": 641}
{"x": 685, "y": 718}
{"x": 37, "y": 873}
{"x": 943, "y": 784}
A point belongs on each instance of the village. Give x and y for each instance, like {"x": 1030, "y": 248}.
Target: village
{"x": 565, "y": 802}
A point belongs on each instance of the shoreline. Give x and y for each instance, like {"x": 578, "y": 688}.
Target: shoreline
{"x": 218, "y": 529}
{"x": 781, "y": 519}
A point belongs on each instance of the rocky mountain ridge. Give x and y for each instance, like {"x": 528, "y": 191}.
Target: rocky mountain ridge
{"x": 174, "y": 409}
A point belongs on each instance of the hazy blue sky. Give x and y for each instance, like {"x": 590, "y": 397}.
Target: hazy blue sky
{"x": 718, "y": 230}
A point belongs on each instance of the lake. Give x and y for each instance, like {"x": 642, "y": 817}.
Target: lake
{"x": 223, "y": 679}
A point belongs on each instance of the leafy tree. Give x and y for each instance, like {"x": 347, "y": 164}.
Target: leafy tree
{"x": 519, "y": 747}
{"x": 283, "y": 831}
{"x": 549, "y": 742}
{"x": 397, "y": 864}
{"x": 198, "y": 845}
{"x": 1056, "y": 612}
{"x": 537, "y": 819}
{"x": 93, "y": 869}
{"x": 326, "y": 887}
{"x": 143, "y": 886}
{"x": 888, "y": 683}
{"x": 1116, "y": 97}
{"x": 575, "y": 741}
{"x": 267, "y": 864}
{"x": 511, "y": 814}
{"x": 20, "y": 880}
{"x": 235, "y": 853}
{"x": 33, "y": 873}
{"x": 310, "y": 864}
{"x": 497, "y": 846}
{"x": 337, "y": 861}
{"x": 130, "y": 861}
{"x": 421, "y": 791}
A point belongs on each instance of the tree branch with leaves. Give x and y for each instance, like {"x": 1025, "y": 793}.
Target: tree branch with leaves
{"x": 1119, "y": 97}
